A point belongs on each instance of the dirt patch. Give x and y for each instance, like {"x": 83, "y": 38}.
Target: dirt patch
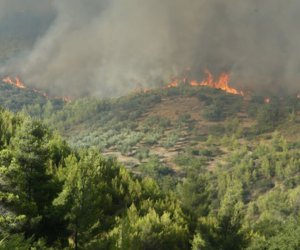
{"x": 173, "y": 108}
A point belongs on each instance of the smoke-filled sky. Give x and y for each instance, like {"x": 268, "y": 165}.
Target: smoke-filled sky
{"x": 109, "y": 47}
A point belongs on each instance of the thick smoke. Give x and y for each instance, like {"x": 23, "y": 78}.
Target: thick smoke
{"x": 109, "y": 47}
{"x": 9, "y": 8}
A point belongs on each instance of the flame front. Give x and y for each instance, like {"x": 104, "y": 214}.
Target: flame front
{"x": 173, "y": 84}
{"x": 221, "y": 83}
{"x": 16, "y": 82}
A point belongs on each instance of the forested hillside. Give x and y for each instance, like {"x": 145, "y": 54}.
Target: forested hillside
{"x": 159, "y": 130}
{"x": 53, "y": 195}
{"x": 226, "y": 177}
{"x": 149, "y": 125}
{"x": 15, "y": 99}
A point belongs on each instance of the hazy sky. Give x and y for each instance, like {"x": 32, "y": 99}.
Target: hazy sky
{"x": 111, "y": 46}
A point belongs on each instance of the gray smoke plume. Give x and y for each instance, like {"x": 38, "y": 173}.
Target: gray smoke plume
{"x": 108, "y": 47}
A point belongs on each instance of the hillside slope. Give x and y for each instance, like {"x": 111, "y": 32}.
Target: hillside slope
{"x": 16, "y": 98}
{"x": 168, "y": 123}
{"x": 220, "y": 154}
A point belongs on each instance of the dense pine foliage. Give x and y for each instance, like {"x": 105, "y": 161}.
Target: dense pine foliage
{"x": 51, "y": 195}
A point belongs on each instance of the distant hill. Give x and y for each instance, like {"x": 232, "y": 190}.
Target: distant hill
{"x": 164, "y": 123}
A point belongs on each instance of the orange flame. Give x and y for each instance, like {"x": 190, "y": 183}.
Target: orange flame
{"x": 173, "y": 84}
{"x": 16, "y": 82}
{"x": 19, "y": 84}
{"x": 221, "y": 83}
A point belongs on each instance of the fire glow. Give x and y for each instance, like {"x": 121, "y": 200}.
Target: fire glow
{"x": 221, "y": 83}
{"x": 267, "y": 100}
{"x": 17, "y": 83}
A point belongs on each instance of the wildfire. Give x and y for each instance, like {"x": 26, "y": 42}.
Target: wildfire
{"x": 221, "y": 83}
{"x": 40, "y": 92}
{"x": 15, "y": 82}
{"x": 267, "y": 100}
{"x": 173, "y": 84}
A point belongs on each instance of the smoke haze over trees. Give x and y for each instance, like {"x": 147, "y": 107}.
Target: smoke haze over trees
{"x": 110, "y": 47}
